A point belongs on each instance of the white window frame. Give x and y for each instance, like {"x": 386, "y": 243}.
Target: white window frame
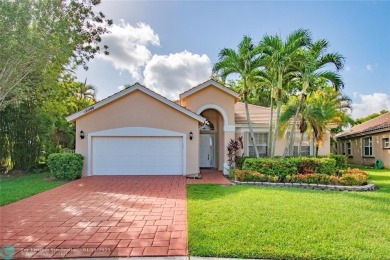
{"x": 306, "y": 146}
{"x": 249, "y": 142}
{"x": 348, "y": 150}
{"x": 369, "y": 146}
{"x": 386, "y": 143}
{"x": 342, "y": 148}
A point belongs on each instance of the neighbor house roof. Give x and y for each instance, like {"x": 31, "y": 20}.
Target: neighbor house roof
{"x": 127, "y": 91}
{"x": 375, "y": 125}
{"x": 206, "y": 84}
{"x": 258, "y": 114}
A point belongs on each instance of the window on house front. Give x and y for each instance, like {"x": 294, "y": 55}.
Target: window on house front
{"x": 348, "y": 149}
{"x": 261, "y": 140}
{"x": 207, "y": 126}
{"x": 367, "y": 146}
{"x": 305, "y": 150}
{"x": 386, "y": 142}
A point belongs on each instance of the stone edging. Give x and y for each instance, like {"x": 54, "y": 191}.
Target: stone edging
{"x": 368, "y": 187}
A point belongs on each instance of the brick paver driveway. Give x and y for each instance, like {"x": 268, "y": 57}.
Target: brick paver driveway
{"x": 100, "y": 216}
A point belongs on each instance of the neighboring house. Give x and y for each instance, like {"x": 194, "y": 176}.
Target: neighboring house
{"x": 139, "y": 132}
{"x": 367, "y": 142}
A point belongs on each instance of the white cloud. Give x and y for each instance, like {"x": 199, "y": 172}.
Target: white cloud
{"x": 369, "y": 67}
{"x": 169, "y": 75}
{"x": 369, "y": 104}
{"x": 128, "y": 47}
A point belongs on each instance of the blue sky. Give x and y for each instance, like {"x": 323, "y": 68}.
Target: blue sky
{"x": 172, "y": 45}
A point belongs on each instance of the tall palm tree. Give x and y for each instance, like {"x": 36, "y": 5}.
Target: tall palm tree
{"x": 243, "y": 62}
{"x": 313, "y": 70}
{"x": 283, "y": 58}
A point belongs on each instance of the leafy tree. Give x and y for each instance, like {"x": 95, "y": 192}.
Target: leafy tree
{"x": 311, "y": 70}
{"x": 281, "y": 58}
{"x": 243, "y": 62}
{"x": 46, "y": 37}
{"x": 32, "y": 130}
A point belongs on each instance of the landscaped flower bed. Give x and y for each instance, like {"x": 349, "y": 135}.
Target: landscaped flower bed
{"x": 351, "y": 177}
{"x": 302, "y": 172}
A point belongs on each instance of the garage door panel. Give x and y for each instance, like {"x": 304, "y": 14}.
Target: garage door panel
{"x": 137, "y": 156}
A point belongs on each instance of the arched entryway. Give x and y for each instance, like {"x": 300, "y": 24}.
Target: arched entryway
{"x": 211, "y": 140}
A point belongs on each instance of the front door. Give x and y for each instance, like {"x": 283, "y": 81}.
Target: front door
{"x": 207, "y": 151}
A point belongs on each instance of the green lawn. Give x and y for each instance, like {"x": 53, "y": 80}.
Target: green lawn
{"x": 16, "y": 188}
{"x": 280, "y": 223}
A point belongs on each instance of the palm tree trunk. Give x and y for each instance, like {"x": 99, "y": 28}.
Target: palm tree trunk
{"x": 269, "y": 145}
{"x": 249, "y": 120}
{"x": 251, "y": 128}
{"x": 300, "y": 145}
{"x": 276, "y": 132}
{"x": 292, "y": 131}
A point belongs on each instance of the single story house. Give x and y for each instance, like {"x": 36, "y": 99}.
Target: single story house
{"x": 366, "y": 143}
{"x": 139, "y": 132}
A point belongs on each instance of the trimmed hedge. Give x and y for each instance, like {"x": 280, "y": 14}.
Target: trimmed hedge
{"x": 273, "y": 167}
{"x": 290, "y": 165}
{"x": 341, "y": 160}
{"x": 65, "y": 166}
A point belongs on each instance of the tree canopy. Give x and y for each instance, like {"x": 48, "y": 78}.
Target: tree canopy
{"x": 41, "y": 43}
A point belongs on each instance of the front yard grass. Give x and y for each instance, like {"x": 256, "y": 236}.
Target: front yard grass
{"x": 289, "y": 223}
{"x": 15, "y": 188}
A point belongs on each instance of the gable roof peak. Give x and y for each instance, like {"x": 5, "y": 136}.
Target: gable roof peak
{"x": 206, "y": 84}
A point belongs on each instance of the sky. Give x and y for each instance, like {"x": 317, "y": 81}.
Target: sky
{"x": 170, "y": 46}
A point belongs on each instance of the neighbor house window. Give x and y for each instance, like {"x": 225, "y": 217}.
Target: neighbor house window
{"x": 342, "y": 149}
{"x": 348, "y": 149}
{"x": 261, "y": 140}
{"x": 367, "y": 146}
{"x": 386, "y": 142}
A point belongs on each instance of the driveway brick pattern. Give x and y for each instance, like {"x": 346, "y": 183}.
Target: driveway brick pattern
{"x": 100, "y": 216}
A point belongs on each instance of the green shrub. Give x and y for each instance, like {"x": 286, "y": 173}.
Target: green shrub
{"x": 314, "y": 178}
{"x": 240, "y": 161}
{"x": 352, "y": 179}
{"x": 341, "y": 160}
{"x": 353, "y": 171}
{"x": 272, "y": 167}
{"x": 248, "y": 176}
{"x": 66, "y": 166}
{"x": 291, "y": 165}
{"x": 326, "y": 166}
{"x": 347, "y": 179}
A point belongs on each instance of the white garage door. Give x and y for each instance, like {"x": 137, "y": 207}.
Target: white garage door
{"x": 137, "y": 155}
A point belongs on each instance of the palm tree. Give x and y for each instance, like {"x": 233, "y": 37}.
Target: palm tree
{"x": 313, "y": 70}
{"x": 323, "y": 108}
{"x": 283, "y": 57}
{"x": 243, "y": 62}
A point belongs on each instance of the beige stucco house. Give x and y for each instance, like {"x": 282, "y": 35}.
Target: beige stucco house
{"x": 139, "y": 132}
{"x": 366, "y": 143}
